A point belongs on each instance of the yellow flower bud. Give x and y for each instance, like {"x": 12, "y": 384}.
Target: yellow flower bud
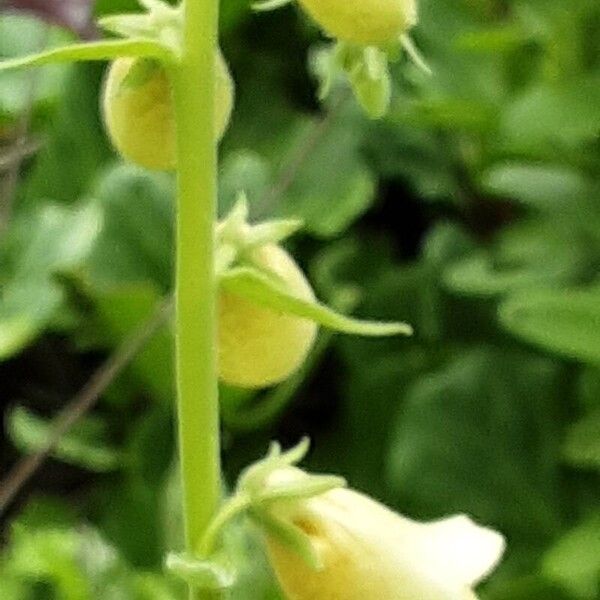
{"x": 259, "y": 347}
{"x": 369, "y": 552}
{"x": 364, "y": 22}
{"x": 140, "y": 119}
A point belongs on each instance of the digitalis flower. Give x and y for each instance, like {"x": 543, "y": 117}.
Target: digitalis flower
{"x": 368, "y": 552}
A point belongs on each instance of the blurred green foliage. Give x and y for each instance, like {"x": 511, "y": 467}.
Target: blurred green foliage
{"x": 471, "y": 211}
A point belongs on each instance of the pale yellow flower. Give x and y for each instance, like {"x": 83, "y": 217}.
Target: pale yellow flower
{"x": 368, "y": 552}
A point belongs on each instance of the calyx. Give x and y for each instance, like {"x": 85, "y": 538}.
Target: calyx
{"x": 237, "y": 238}
{"x": 159, "y": 22}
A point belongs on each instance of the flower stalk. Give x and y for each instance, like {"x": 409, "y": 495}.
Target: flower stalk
{"x": 194, "y": 81}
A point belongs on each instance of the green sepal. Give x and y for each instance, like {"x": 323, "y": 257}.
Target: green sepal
{"x": 372, "y": 83}
{"x": 253, "y": 477}
{"x": 414, "y": 54}
{"x": 225, "y": 256}
{"x": 367, "y": 69}
{"x": 257, "y": 496}
{"x": 103, "y": 50}
{"x": 201, "y": 574}
{"x": 84, "y": 446}
{"x": 235, "y": 229}
{"x": 154, "y": 5}
{"x": 236, "y": 238}
{"x": 312, "y": 485}
{"x": 254, "y": 491}
{"x": 265, "y": 495}
{"x": 326, "y": 70}
{"x": 273, "y": 232}
{"x": 292, "y": 456}
{"x": 253, "y": 484}
{"x": 266, "y": 290}
{"x": 236, "y": 218}
{"x": 288, "y": 535}
{"x": 267, "y": 5}
{"x": 128, "y": 25}
{"x": 162, "y": 22}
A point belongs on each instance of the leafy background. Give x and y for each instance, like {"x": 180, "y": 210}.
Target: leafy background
{"x": 472, "y": 211}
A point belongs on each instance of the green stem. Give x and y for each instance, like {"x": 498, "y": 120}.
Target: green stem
{"x": 196, "y": 286}
{"x": 234, "y": 507}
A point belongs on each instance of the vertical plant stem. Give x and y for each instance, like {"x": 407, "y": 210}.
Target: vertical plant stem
{"x": 196, "y": 287}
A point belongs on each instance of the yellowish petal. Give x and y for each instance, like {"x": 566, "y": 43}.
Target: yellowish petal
{"x": 462, "y": 549}
{"x": 368, "y": 551}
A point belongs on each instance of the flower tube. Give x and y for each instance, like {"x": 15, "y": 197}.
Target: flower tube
{"x": 366, "y": 551}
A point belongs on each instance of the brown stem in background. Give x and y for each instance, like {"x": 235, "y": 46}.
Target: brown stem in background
{"x": 18, "y": 152}
{"x": 300, "y": 155}
{"x": 82, "y": 403}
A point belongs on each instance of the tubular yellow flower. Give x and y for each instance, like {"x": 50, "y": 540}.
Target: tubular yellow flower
{"x": 368, "y": 552}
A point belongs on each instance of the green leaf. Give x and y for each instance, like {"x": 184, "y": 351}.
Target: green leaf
{"x": 58, "y": 239}
{"x": 262, "y": 289}
{"x": 123, "y": 309}
{"x": 151, "y": 444}
{"x": 82, "y": 446}
{"x": 328, "y": 195}
{"x": 74, "y": 564}
{"x": 131, "y": 520}
{"x": 582, "y": 446}
{"x": 499, "y": 38}
{"x": 26, "y": 308}
{"x": 529, "y": 587}
{"x": 530, "y": 254}
{"x": 75, "y": 136}
{"x": 563, "y": 115}
{"x": 136, "y": 240}
{"x": 545, "y": 187}
{"x": 128, "y": 272}
{"x": 21, "y": 35}
{"x": 565, "y": 321}
{"x": 48, "y": 555}
{"x": 588, "y": 388}
{"x": 242, "y": 170}
{"x": 463, "y": 439}
{"x": 103, "y": 50}
{"x": 46, "y": 511}
{"x": 50, "y": 240}
{"x": 477, "y": 275}
{"x": 574, "y": 561}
